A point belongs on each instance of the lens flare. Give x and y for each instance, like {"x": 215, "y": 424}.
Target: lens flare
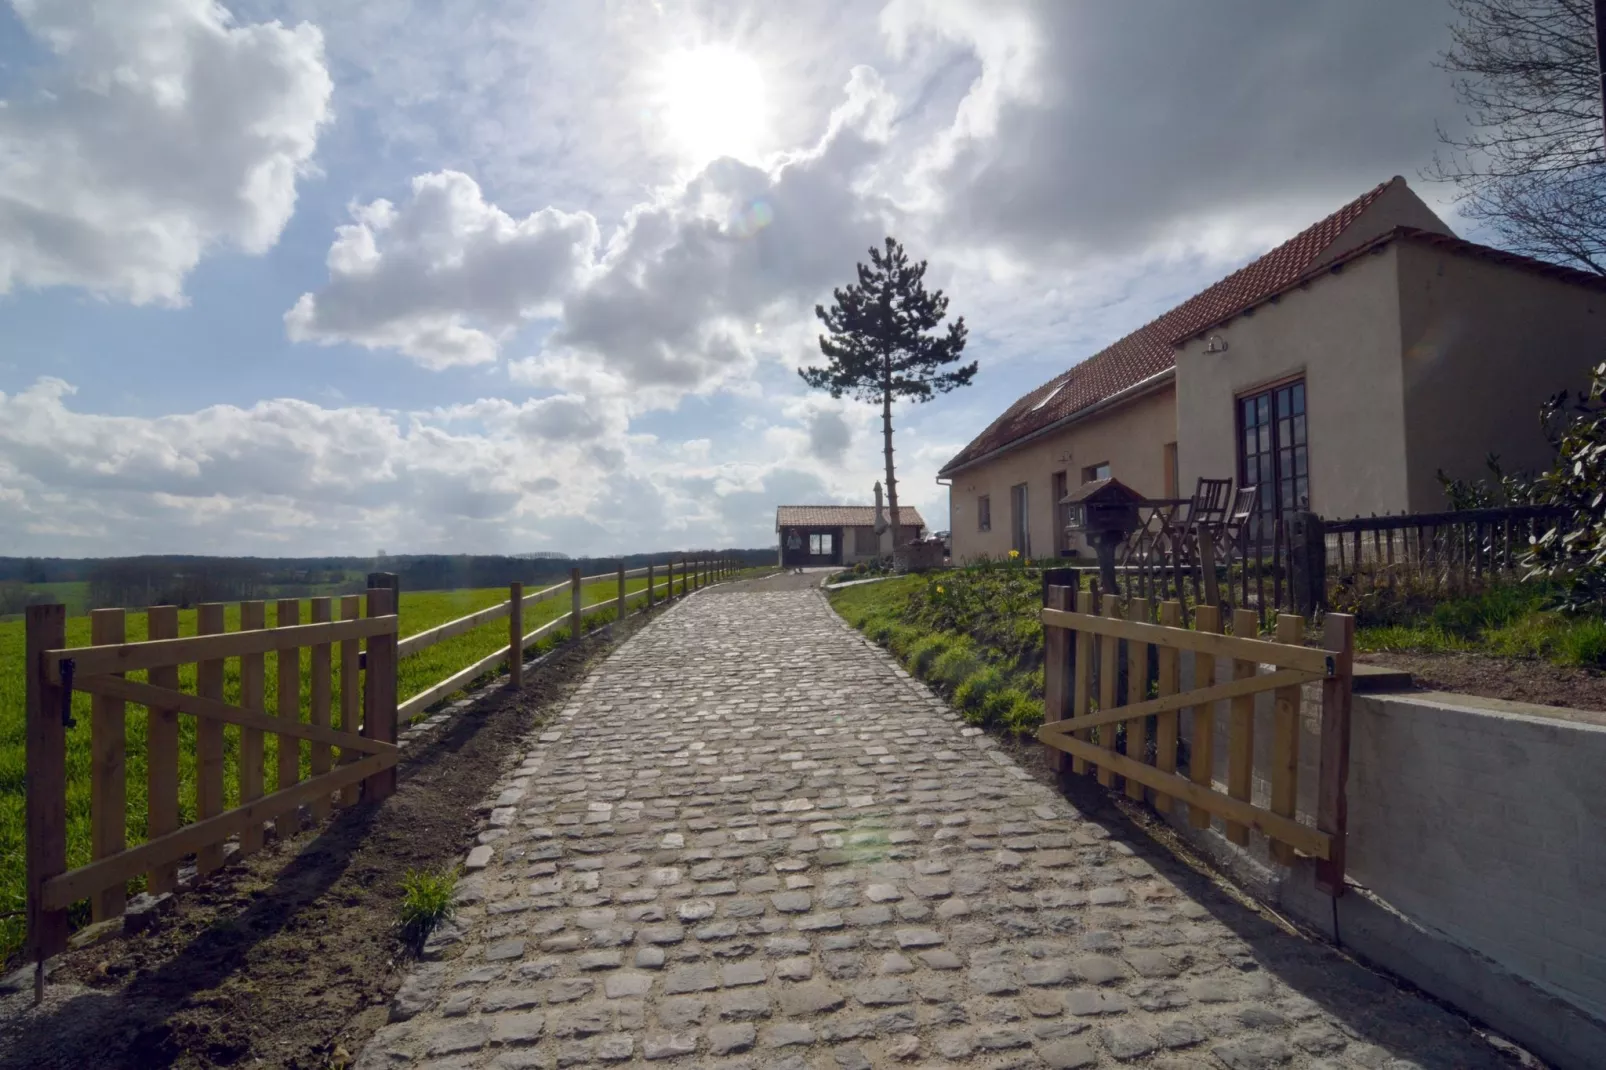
{"x": 753, "y": 217}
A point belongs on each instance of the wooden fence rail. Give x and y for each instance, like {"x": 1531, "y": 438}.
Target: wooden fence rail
{"x": 368, "y": 750}
{"x": 351, "y": 733}
{"x": 1106, "y": 730}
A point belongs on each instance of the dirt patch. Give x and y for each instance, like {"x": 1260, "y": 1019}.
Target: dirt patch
{"x": 1512, "y": 679}
{"x": 291, "y": 958}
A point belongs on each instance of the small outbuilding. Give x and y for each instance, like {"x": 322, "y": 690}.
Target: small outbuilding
{"x": 818, "y": 535}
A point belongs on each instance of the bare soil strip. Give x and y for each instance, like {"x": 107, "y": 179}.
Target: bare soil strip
{"x": 291, "y": 958}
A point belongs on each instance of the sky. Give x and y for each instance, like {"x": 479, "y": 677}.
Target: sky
{"x": 302, "y": 278}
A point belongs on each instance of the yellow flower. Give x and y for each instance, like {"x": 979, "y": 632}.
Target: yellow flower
{"x": 1014, "y": 554}
{"x": 939, "y": 588}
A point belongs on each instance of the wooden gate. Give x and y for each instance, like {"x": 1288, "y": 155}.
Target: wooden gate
{"x": 367, "y": 751}
{"x": 1087, "y": 708}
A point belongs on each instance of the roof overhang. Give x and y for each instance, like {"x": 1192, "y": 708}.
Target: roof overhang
{"x": 1445, "y": 243}
{"x": 1138, "y": 389}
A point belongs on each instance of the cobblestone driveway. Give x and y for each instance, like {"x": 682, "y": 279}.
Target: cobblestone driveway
{"x": 751, "y": 841}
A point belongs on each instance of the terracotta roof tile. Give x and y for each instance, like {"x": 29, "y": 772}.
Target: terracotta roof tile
{"x": 1148, "y": 351}
{"x": 846, "y": 516}
{"x": 1447, "y": 242}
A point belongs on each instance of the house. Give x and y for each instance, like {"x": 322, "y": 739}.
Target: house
{"x": 838, "y": 534}
{"x": 1339, "y": 373}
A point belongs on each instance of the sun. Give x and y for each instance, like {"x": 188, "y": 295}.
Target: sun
{"x": 710, "y": 100}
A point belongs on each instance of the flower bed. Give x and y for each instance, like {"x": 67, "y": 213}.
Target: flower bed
{"x": 974, "y": 634}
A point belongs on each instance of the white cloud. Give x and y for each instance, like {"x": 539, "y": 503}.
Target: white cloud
{"x": 162, "y": 130}
{"x": 286, "y": 476}
{"x": 445, "y": 277}
{"x": 677, "y": 300}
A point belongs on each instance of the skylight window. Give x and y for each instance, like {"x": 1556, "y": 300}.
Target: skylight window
{"x": 1050, "y": 396}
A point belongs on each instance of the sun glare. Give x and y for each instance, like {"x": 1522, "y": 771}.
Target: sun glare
{"x": 712, "y": 103}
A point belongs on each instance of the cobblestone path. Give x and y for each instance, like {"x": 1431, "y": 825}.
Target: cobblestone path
{"x": 750, "y": 840}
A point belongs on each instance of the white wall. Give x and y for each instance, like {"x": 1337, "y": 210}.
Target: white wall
{"x": 1131, "y": 438}
{"x": 1477, "y": 820}
{"x": 1483, "y": 819}
{"x": 1484, "y": 346}
{"x": 1342, "y": 334}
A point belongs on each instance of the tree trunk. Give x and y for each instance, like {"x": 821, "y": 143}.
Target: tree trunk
{"x": 892, "y": 483}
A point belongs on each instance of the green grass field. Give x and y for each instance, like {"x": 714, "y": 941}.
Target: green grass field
{"x": 419, "y": 611}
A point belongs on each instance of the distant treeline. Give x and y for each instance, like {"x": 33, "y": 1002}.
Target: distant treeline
{"x": 16, "y": 597}
{"x": 187, "y": 580}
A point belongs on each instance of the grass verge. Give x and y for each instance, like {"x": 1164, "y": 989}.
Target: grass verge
{"x": 1509, "y": 621}
{"x": 972, "y": 634}
{"x": 419, "y": 611}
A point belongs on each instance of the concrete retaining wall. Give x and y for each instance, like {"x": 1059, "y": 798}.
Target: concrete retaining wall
{"x": 1477, "y": 835}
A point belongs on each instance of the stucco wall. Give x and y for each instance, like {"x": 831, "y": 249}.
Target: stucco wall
{"x": 1477, "y": 820}
{"x": 1342, "y": 333}
{"x": 851, "y": 536}
{"x": 1131, "y": 438}
{"x": 1396, "y": 206}
{"x": 1484, "y": 346}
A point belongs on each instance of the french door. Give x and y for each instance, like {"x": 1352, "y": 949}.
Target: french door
{"x": 1272, "y": 450}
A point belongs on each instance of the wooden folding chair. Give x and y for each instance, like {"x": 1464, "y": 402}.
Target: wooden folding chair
{"x": 1231, "y": 531}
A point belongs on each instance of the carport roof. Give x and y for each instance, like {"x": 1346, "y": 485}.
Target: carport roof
{"x": 840, "y": 516}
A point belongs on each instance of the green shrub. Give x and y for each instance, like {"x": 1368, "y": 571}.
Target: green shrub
{"x": 1037, "y": 681}
{"x": 901, "y": 638}
{"x": 876, "y": 629}
{"x": 1584, "y": 644}
{"x": 426, "y": 902}
{"x": 925, "y": 651}
{"x": 998, "y": 705}
{"x": 972, "y": 692}
{"x": 954, "y": 665}
{"x": 1024, "y": 715}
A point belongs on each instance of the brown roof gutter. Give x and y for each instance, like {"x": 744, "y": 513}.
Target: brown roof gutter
{"x": 1136, "y": 390}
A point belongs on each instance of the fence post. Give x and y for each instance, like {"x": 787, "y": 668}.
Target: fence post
{"x": 515, "y": 634}
{"x": 1332, "y": 803}
{"x": 379, "y": 718}
{"x": 45, "y": 778}
{"x": 1056, "y": 668}
{"x": 574, "y": 603}
{"x": 1207, "y": 568}
{"x": 108, "y": 784}
{"x": 649, "y": 584}
{"x": 161, "y": 752}
{"x": 620, "y": 615}
{"x": 1308, "y": 563}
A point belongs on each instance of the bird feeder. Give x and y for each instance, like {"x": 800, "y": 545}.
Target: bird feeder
{"x": 1105, "y": 512}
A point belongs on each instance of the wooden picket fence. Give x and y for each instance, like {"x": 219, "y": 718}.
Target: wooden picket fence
{"x": 367, "y": 755}
{"x": 695, "y": 572}
{"x": 352, "y": 734}
{"x": 1084, "y": 696}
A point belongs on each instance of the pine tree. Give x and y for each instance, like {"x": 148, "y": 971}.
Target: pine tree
{"x": 882, "y": 344}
